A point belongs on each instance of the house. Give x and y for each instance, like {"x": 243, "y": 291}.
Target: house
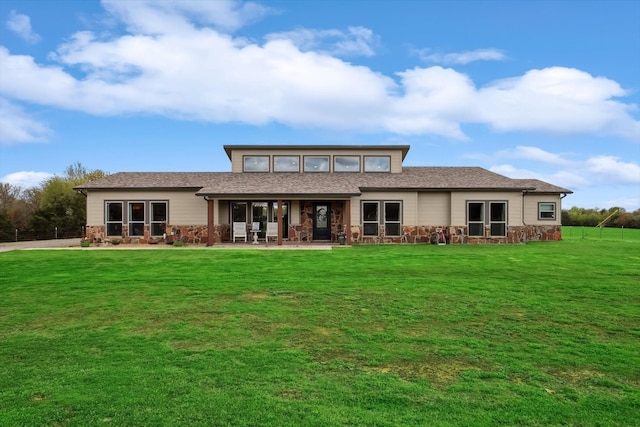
{"x": 316, "y": 193}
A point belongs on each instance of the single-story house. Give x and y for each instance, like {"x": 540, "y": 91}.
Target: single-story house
{"x": 323, "y": 193}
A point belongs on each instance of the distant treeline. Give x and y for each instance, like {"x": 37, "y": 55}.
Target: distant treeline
{"x": 592, "y": 217}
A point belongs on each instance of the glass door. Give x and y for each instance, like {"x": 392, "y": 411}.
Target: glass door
{"x": 322, "y": 221}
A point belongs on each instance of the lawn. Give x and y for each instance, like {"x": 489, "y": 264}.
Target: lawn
{"x": 543, "y": 334}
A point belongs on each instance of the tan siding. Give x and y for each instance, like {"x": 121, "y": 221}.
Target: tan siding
{"x": 408, "y": 199}
{"x": 237, "y": 156}
{"x": 434, "y": 209}
{"x": 531, "y": 209}
{"x": 184, "y": 207}
{"x": 222, "y": 216}
{"x": 459, "y": 205}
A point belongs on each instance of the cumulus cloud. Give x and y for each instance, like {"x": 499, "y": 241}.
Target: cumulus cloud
{"x": 26, "y": 179}
{"x": 460, "y": 58}
{"x": 179, "y": 60}
{"x": 612, "y": 169}
{"x": 21, "y": 25}
{"x": 356, "y": 41}
{"x": 16, "y": 126}
{"x": 533, "y": 153}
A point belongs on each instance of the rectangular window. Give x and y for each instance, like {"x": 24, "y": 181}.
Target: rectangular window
{"x": 546, "y": 211}
{"x": 498, "y": 219}
{"x": 377, "y": 164}
{"x": 256, "y": 163}
{"x": 286, "y": 163}
{"x": 316, "y": 163}
{"x": 370, "y": 218}
{"x": 238, "y": 212}
{"x": 475, "y": 218}
{"x": 114, "y": 218}
{"x": 346, "y": 163}
{"x": 136, "y": 219}
{"x": 392, "y": 216}
{"x": 158, "y": 221}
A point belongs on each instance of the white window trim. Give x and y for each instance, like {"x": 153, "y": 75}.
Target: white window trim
{"x": 553, "y": 212}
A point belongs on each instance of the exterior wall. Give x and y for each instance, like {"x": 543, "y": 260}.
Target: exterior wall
{"x": 459, "y": 205}
{"x": 434, "y": 208}
{"x": 531, "y": 201}
{"x": 237, "y": 156}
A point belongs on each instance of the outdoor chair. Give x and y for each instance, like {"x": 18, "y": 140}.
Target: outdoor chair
{"x": 272, "y": 231}
{"x": 239, "y": 231}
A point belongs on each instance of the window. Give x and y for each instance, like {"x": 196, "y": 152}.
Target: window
{"x": 392, "y": 215}
{"x": 377, "y": 164}
{"x": 475, "y": 218}
{"x": 316, "y": 163}
{"x": 498, "y": 219}
{"x": 256, "y": 163}
{"x": 158, "y": 218}
{"x": 114, "y": 218}
{"x": 238, "y": 212}
{"x": 370, "y": 220}
{"x": 136, "y": 219}
{"x": 346, "y": 163}
{"x": 286, "y": 163}
{"x": 546, "y": 211}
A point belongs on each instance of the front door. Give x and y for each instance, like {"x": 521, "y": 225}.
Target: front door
{"x": 322, "y": 221}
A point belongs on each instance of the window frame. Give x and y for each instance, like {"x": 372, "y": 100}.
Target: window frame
{"x": 541, "y": 211}
{"x": 153, "y": 222}
{"x": 375, "y": 170}
{"x": 338, "y": 169}
{"x": 309, "y": 157}
{"x": 283, "y": 157}
{"x": 375, "y": 221}
{"x": 387, "y": 221}
{"x": 131, "y": 223}
{"x": 231, "y": 212}
{"x": 503, "y": 222}
{"x": 265, "y": 167}
{"x": 109, "y": 221}
{"x": 472, "y": 224}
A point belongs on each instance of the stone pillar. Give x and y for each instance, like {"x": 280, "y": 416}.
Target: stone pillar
{"x": 280, "y": 222}
{"x": 347, "y": 215}
{"x": 210, "y": 225}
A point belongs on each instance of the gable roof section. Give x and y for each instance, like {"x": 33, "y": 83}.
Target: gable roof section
{"x": 228, "y": 184}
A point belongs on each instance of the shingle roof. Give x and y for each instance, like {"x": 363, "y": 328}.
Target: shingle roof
{"x": 326, "y": 184}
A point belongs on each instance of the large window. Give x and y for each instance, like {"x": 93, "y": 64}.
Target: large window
{"x": 498, "y": 219}
{"x": 286, "y": 163}
{"x": 316, "y": 163}
{"x": 377, "y": 164}
{"x": 136, "y": 219}
{"x": 114, "y": 218}
{"x": 158, "y": 218}
{"x": 370, "y": 218}
{"x": 346, "y": 163}
{"x": 477, "y": 218}
{"x": 546, "y": 211}
{"x": 238, "y": 212}
{"x": 392, "y": 215}
{"x": 256, "y": 163}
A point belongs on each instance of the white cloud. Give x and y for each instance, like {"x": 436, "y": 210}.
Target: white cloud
{"x": 21, "y": 25}
{"x": 533, "y": 153}
{"x": 612, "y": 169}
{"x": 26, "y": 179}
{"x": 172, "y": 66}
{"x": 461, "y": 58}
{"x": 16, "y": 126}
{"x": 356, "y": 41}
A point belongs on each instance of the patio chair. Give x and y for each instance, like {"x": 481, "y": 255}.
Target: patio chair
{"x": 239, "y": 231}
{"x": 272, "y": 231}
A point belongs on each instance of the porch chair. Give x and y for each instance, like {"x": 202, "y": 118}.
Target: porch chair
{"x": 239, "y": 231}
{"x": 272, "y": 231}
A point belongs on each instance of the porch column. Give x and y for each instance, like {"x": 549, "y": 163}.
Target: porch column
{"x": 279, "y": 222}
{"x": 347, "y": 213}
{"x": 210, "y": 211}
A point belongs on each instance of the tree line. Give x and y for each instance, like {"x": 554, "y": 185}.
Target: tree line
{"x": 55, "y": 210}
{"x": 51, "y": 210}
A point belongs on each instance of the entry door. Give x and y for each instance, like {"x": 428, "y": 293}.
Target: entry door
{"x": 322, "y": 221}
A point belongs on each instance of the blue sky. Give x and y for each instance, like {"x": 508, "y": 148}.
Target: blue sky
{"x": 528, "y": 89}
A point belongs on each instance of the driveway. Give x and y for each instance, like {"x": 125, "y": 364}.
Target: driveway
{"x": 39, "y": 244}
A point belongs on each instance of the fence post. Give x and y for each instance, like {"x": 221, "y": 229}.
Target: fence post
{"x": 622, "y": 238}
{"x": 56, "y": 234}
{"x": 16, "y": 234}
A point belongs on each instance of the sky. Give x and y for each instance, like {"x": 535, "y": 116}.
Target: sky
{"x": 528, "y": 89}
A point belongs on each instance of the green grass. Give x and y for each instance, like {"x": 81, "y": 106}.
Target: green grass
{"x": 543, "y": 334}
{"x": 601, "y": 233}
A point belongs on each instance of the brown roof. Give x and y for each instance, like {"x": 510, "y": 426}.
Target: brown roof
{"x": 404, "y": 148}
{"x": 325, "y": 184}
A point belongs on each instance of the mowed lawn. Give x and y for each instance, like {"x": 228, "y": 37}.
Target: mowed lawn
{"x": 543, "y": 334}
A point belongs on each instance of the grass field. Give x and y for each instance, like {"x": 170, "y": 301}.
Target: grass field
{"x": 543, "y": 334}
